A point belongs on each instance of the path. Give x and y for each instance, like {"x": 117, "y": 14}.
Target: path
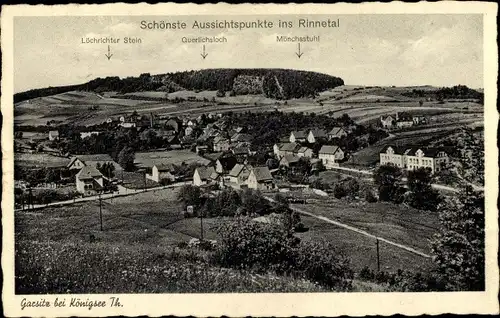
{"x": 354, "y": 229}
{"x": 122, "y": 191}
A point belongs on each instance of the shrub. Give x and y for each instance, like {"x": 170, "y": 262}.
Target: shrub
{"x": 318, "y": 184}
{"x": 370, "y": 196}
{"x": 246, "y": 244}
{"x": 339, "y": 191}
{"x": 55, "y": 268}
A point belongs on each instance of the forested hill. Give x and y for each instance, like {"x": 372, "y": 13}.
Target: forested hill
{"x": 274, "y": 83}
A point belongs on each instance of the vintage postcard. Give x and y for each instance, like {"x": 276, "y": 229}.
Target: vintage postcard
{"x": 249, "y": 160}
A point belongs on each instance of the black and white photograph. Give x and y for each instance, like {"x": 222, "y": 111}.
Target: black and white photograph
{"x": 247, "y": 153}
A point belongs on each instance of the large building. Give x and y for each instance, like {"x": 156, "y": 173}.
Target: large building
{"x": 392, "y": 155}
{"x": 414, "y": 157}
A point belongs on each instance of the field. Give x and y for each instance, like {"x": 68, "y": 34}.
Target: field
{"x": 362, "y": 249}
{"x": 152, "y": 218}
{"x": 402, "y": 225}
{"x": 62, "y": 250}
{"x": 155, "y": 219}
{"x": 364, "y": 104}
{"x": 177, "y": 157}
{"x": 40, "y": 160}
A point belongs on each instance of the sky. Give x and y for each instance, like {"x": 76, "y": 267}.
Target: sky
{"x": 383, "y": 49}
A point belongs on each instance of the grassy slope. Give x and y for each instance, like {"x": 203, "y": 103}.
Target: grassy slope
{"x": 121, "y": 268}
{"x": 152, "y": 222}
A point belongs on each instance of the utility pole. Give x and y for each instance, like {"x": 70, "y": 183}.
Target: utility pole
{"x": 30, "y": 201}
{"x": 145, "y": 181}
{"x": 378, "y": 256}
{"x": 100, "y": 209}
{"x": 201, "y": 225}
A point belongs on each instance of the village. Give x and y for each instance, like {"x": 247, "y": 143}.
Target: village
{"x": 206, "y": 150}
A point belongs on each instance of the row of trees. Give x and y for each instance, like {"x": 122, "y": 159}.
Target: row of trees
{"x": 420, "y": 194}
{"x": 227, "y": 202}
{"x": 455, "y": 92}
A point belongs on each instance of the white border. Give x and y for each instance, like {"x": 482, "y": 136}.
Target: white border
{"x": 330, "y": 304}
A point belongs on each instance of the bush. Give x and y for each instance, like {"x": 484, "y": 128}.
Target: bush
{"x": 55, "y": 268}
{"x": 339, "y": 191}
{"x": 246, "y": 244}
{"x": 318, "y": 184}
{"x": 370, "y": 196}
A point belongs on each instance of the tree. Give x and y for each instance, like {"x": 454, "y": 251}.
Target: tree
{"x": 253, "y": 202}
{"x": 220, "y": 93}
{"x": 52, "y": 175}
{"x": 190, "y": 195}
{"x": 422, "y": 195}
{"x": 126, "y": 158}
{"x": 458, "y": 247}
{"x": 388, "y": 179}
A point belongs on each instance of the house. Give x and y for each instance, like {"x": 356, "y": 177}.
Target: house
{"x": 298, "y": 136}
{"x": 260, "y": 178}
{"x": 53, "y": 135}
{"x": 221, "y": 143}
{"x": 128, "y": 125}
{"x": 89, "y": 180}
{"x": 110, "y": 120}
{"x": 201, "y": 149}
{"x": 174, "y": 123}
{"x": 161, "y": 172}
{"x": 337, "y": 132}
{"x": 241, "y": 137}
{"x": 419, "y": 120}
{"x": 242, "y": 151}
{"x": 188, "y": 131}
{"x": 316, "y": 135}
{"x": 79, "y": 161}
{"x": 289, "y": 161}
{"x": 304, "y": 152}
{"x": 432, "y": 158}
{"x": 330, "y": 155}
{"x": 203, "y": 175}
{"x": 239, "y": 174}
{"x": 224, "y": 165}
{"x": 276, "y": 150}
{"x": 404, "y": 121}
{"x": 288, "y": 149}
{"x": 389, "y": 121}
{"x": 86, "y": 134}
{"x": 392, "y": 155}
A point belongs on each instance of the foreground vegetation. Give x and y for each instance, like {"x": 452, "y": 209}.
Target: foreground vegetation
{"x": 63, "y": 250}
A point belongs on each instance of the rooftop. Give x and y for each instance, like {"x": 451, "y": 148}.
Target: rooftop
{"x": 328, "y": 150}
{"x": 88, "y": 172}
{"x": 262, "y": 174}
